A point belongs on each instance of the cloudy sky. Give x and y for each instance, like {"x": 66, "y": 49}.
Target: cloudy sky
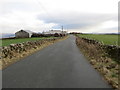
{"x": 92, "y": 16}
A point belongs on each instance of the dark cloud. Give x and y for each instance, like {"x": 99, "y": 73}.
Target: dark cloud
{"x": 75, "y": 20}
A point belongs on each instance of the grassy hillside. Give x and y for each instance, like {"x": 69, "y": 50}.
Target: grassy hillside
{"x": 106, "y": 39}
{"x": 7, "y": 42}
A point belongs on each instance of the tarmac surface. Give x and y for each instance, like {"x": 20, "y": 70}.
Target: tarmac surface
{"x": 60, "y": 65}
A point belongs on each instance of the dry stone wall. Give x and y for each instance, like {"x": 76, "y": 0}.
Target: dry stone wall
{"x": 111, "y": 50}
{"x": 9, "y": 51}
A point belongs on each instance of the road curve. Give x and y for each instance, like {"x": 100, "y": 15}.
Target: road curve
{"x": 60, "y": 65}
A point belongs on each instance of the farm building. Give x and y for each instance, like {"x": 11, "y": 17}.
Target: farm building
{"x": 23, "y": 34}
{"x": 55, "y": 31}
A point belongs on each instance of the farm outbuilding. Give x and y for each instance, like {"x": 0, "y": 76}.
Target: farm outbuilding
{"x": 23, "y": 34}
{"x": 55, "y": 31}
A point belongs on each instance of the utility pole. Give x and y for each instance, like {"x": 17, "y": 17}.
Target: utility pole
{"x": 62, "y": 29}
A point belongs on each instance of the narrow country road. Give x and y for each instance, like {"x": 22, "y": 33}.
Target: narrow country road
{"x": 60, "y": 65}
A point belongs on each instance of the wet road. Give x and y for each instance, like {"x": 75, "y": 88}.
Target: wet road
{"x": 60, "y": 65}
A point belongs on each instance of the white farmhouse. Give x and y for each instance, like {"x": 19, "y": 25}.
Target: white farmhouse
{"x": 23, "y": 34}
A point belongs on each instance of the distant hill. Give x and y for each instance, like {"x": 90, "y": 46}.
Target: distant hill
{"x": 7, "y": 35}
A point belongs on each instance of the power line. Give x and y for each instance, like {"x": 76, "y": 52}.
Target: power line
{"x": 44, "y": 9}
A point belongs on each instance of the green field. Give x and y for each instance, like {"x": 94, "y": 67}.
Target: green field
{"x": 7, "y": 42}
{"x": 106, "y": 39}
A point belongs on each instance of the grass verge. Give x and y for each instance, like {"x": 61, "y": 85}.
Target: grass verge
{"x": 97, "y": 57}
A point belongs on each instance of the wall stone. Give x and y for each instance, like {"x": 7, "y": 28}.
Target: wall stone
{"x": 112, "y": 50}
{"x": 9, "y": 51}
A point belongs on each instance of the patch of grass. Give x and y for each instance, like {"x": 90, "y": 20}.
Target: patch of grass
{"x": 106, "y": 39}
{"x": 114, "y": 75}
{"x": 7, "y": 42}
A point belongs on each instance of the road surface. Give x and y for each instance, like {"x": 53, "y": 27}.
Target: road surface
{"x": 60, "y": 65}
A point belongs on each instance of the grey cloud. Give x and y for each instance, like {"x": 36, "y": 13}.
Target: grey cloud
{"x": 75, "y": 20}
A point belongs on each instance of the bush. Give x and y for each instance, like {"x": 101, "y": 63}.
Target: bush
{"x": 56, "y": 35}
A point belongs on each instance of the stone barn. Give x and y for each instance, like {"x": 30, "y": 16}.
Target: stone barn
{"x": 23, "y": 34}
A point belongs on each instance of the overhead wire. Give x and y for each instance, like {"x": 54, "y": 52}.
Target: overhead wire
{"x": 45, "y": 10}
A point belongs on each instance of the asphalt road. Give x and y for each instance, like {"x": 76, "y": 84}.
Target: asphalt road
{"x": 60, "y": 65}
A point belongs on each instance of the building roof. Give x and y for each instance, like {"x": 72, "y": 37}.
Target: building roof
{"x": 28, "y": 31}
{"x": 55, "y": 31}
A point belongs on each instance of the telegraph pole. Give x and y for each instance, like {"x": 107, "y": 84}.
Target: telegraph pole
{"x": 62, "y": 29}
